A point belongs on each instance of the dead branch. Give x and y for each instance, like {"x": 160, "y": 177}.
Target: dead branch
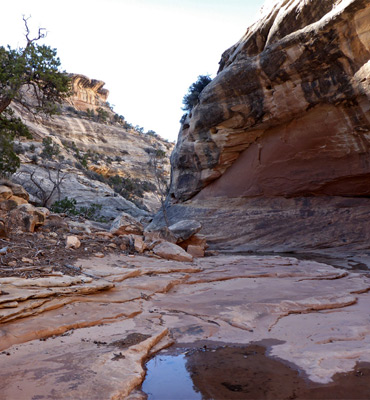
{"x": 41, "y": 34}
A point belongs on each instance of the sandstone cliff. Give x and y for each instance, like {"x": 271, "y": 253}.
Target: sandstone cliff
{"x": 288, "y": 115}
{"x": 95, "y": 144}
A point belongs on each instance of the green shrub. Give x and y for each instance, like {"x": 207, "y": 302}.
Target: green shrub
{"x": 68, "y": 206}
{"x": 194, "y": 91}
{"x": 49, "y": 149}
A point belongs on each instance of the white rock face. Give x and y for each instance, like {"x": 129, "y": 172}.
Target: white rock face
{"x": 110, "y": 148}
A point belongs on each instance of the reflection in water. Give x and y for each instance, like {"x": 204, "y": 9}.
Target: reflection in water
{"x": 168, "y": 378}
{"x": 243, "y": 372}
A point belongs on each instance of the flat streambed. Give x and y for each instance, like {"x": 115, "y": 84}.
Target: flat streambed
{"x": 242, "y": 372}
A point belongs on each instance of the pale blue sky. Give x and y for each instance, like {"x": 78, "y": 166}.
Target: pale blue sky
{"x": 147, "y": 51}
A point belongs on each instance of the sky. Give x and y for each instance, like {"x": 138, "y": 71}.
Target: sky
{"x": 148, "y": 52}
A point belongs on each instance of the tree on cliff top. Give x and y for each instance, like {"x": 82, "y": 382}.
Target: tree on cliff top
{"x": 195, "y": 89}
{"x": 29, "y": 77}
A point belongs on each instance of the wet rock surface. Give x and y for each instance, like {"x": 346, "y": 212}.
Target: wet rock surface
{"x": 248, "y": 372}
{"x": 87, "y": 336}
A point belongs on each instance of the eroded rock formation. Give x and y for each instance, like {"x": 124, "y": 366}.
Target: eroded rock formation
{"x": 288, "y": 113}
{"x": 105, "y": 143}
{"x": 87, "y": 93}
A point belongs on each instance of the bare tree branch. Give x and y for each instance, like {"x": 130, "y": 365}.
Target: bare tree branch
{"x": 41, "y": 34}
{"x": 161, "y": 183}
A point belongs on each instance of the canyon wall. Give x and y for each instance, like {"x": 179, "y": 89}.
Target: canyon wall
{"x": 94, "y": 146}
{"x": 288, "y": 112}
{"x": 287, "y": 116}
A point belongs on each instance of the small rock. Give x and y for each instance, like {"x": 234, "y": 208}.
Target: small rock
{"x": 99, "y": 255}
{"x": 125, "y": 224}
{"x": 12, "y": 263}
{"x": 195, "y": 251}
{"x": 3, "y": 231}
{"x": 4, "y": 250}
{"x": 27, "y": 260}
{"x": 125, "y": 242}
{"x": 44, "y": 210}
{"x": 196, "y": 240}
{"x": 112, "y": 245}
{"x": 53, "y": 234}
{"x": 139, "y": 243}
{"x": 105, "y": 235}
{"x": 123, "y": 246}
{"x": 72, "y": 242}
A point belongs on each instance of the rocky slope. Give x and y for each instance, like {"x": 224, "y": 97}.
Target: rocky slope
{"x": 95, "y": 144}
{"x": 288, "y": 115}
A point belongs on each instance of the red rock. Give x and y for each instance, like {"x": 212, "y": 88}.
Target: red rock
{"x": 125, "y": 224}
{"x": 195, "y": 251}
{"x": 284, "y": 117}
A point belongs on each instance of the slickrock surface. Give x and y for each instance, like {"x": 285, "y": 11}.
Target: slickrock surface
{"x": 89, "y": 335}
{"x": 309, "y": 224}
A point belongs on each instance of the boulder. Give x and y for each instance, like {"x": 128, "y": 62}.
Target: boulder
{"x": 185, "y": 229}
{"x": 17, "y": 200}
{"x": 125, "y": 224}
{"x": 171, "y": 251}
{"x": 161, "y": 234}
{"x": 26, "y": 217}
{"x": 19, "y": 191}
{"x": 72, "y": 242}
{"x": 5, "y": 193}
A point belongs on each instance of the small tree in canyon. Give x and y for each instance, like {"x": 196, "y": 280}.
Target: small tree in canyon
{"x": 44, "y": 180}
{"x": 156, "y": 162}
{"x": 29, "y": 77}
{"x": 192, "y": 97}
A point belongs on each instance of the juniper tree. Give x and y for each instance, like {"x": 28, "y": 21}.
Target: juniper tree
{"x": 195, "y": 89}
{"x": 29, "y": 77}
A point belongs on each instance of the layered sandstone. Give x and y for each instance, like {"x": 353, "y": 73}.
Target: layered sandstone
{"x": 110, "y": 146}
{"x": 88, "y": 336}
{"x": 288, "y": 113}
{"x": 87, "y": 93}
